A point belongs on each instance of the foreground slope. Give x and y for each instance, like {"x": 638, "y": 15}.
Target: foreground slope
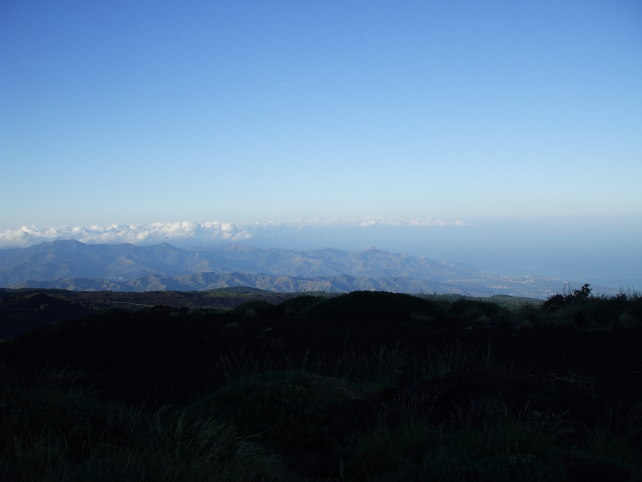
{"x": 364, "y": 386}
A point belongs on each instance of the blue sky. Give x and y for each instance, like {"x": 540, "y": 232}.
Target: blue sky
{"x": 462, "y": 129}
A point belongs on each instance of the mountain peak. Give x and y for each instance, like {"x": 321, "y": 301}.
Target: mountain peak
{"x": 65, "y": 242}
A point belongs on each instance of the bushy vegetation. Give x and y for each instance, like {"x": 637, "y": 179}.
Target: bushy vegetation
{"x": 584, "y": 310}
{"x": 48, "y": 434}
{"x": 371, "y": 304}
{"x": 273, "y": 416}
{"x": 238, "y": 431}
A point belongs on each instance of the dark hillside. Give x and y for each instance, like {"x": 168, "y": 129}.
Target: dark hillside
{"x": 364, "y": 386}
{"x": 370, "y": 304}
{"x": 19, "y": 314}
{"x": 68, "y": 305}
{"x": 137, "y": 350}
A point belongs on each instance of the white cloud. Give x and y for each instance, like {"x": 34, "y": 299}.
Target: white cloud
{"x": 187, "y": 231}
{"x": 402, "y": 221}
{"x": 130, "y": 233}
{"x": 366, "y": 221}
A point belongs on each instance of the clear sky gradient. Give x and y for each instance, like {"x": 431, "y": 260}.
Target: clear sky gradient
{"x": 520, "y": 121}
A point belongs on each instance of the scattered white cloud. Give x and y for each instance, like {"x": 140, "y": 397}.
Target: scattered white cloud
{"x": 378, "y": 221}
{"x": 130, "y": 233}
{"x": 402, "y": 221}
{"x": 188, "y": 231}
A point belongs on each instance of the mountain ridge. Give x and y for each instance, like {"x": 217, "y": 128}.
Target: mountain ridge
{"x": 122, "y": 262}
{"x": 70, "y": 264}
{"x": 523, "y": 286}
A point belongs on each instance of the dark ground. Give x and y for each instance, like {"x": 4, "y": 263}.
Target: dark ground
{"x": 164, "y": 356}
{"x": 23, "y": 310}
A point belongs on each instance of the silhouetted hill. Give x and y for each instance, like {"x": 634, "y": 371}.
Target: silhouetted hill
{"x": 369, "y": 304}
{"x": 19, "y": 314}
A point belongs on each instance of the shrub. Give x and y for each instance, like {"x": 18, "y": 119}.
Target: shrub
{"x": 281, "y": 408}
{"x": 557, "y": 300}
{"x": 586, "y": 311}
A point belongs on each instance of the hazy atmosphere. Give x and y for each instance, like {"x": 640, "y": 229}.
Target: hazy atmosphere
{"x": 500, "y": 134}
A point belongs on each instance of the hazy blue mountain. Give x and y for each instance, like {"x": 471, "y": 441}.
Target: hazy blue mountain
{"x": 370, "y": 262}
{"x": 485, "y": 286}
{"x": 121, "y": 262}
{"x": 75, "y": 259}
{"x": 125, "y": 267}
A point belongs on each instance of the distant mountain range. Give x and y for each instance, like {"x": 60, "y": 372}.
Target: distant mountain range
{"x": 522, "y": 286}
{"x": 126, "y": 267}
{"x": 121, "y": 262}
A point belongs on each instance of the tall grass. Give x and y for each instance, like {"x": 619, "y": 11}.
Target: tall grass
{"x": 270, "y": 408}
{"x": 519, "y": 446}
{"x": 53, "y": 435}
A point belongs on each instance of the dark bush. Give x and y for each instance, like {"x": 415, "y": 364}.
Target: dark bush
{"x": 255, "y": 309}
{"x": 557, "y": 300}
{"x": 370, "y": 304}
{"x": 586, "y": 310}
{"x": 475, "y": 308}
